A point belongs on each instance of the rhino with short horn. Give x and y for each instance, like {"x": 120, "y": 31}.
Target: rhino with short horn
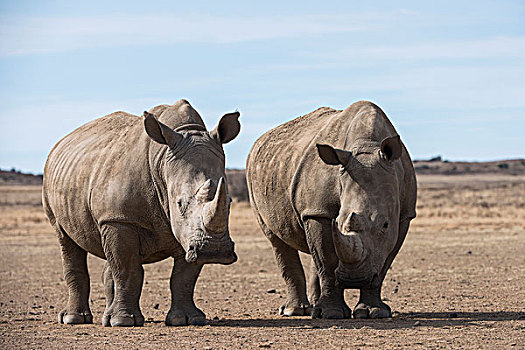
{"x": 338, "y": 185}
{"x": 137, "y": 190}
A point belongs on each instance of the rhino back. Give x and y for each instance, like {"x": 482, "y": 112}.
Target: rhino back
{"x": 100, "y": 173}
{"x": 270, "y": 170}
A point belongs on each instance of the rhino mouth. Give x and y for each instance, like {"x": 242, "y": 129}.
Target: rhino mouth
{"x": 211, "y": 252}
{"x": 345, "y": 280}
{"x": 353, "y": 283}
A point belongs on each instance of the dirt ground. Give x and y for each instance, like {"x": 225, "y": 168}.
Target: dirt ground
{"x": 458, "y": 282}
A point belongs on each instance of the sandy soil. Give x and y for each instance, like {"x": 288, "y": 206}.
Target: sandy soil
{"x": 458, "y": 282}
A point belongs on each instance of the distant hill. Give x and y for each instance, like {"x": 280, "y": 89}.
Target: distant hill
{"x": 16, "y": 177}
{"x": 239, "y": 190}
{"x": 437, "y": 166}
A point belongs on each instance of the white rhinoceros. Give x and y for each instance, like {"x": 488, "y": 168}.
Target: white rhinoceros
{"x": 338, "y": 185}
{"x": 136, "y": 190}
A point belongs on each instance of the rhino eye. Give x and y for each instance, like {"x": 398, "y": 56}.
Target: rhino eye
{"x": 181, "y": 205}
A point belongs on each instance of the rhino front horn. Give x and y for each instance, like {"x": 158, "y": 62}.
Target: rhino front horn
{"x": 348, "y": 247}
{"x": 215, "y": 216}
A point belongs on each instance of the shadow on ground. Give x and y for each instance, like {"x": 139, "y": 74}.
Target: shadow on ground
{"x": 403, "y": 320}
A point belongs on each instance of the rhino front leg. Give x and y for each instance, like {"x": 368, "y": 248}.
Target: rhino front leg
{"x": 370, "y": 304}
{"x": 74, "y": 261}
{"x": 331, "y": 303}
{"x": 182, "y": 284}
{"x": 292, "y": 271}
{"x": 121, "y": 247}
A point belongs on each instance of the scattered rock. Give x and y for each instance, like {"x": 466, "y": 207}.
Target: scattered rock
{"x": 396, "y": 289}
{"x": 156, "y": 306}
{"x": 417, "y": 323}
{"x": 271, "y": 291}
{"x": 216, "y": 318}
{"x": 469, "y": 252}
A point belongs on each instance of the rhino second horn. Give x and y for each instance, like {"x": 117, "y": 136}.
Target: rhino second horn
{"x": 348, "y": 247}
{"x": 215, "y": 216}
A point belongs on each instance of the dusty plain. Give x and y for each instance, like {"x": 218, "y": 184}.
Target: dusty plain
{"x": 458, "y": 282}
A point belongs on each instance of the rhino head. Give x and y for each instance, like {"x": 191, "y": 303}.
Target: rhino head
{"x": 365, "y": 231}
{"x": 195, "y": 188}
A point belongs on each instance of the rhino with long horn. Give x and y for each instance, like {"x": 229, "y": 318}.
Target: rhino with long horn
{"x": 136, "y": 190}
{"x": 338, "y": 185}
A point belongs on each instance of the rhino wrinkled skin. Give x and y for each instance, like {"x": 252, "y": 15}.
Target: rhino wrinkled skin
{"x": 338, "y": 185}
{"x": 136, "y": 190}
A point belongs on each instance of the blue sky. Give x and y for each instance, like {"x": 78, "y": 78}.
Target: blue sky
{"x": 449, "y": 74}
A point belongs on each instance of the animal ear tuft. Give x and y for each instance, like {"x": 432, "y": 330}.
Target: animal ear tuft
{"x": 333, "y": 156}
{"x": 391, "y": 148}
{"x": 228, "y": 128}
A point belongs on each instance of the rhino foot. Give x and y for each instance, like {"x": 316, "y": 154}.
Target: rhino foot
{"x": 331, "y": 311}
{"x": 289, "y": 309}
{"x": 185, "y": 317}
{"x": 66, "y": 317}
{"x": 363, "y": 310}
{"x": 109, "y": 320}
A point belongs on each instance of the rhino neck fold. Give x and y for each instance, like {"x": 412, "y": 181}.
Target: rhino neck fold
{"x": 157, "y": 165}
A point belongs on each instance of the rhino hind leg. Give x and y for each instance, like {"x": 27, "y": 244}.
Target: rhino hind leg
{"x": 314, "y": 286}
{"x": 331, "y": 303}
{"x": 109, "y": 285}
{"x": 182, "y": 284}
{"x": 292, "y": 271}
{"x": 74, "y": 261}
{"x": 124, "y": 277}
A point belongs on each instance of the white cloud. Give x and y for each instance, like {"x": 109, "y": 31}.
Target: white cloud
{"x": 495, "y": 47}
{"x": 21, "y": 36}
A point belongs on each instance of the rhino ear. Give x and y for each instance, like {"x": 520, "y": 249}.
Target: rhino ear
{"x": 228, "y": 128}
{"x": 391, "y": 148}
{"x": 333, "y": 156}
{"x": 160, "y": 132}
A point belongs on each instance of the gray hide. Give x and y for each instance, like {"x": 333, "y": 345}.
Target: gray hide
{"x": 338, "y": 185}
{"x": 136, "y": 190}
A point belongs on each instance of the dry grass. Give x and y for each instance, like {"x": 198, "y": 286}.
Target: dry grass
{"x": 457, "y": 282}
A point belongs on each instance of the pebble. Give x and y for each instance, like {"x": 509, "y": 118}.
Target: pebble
{"x": 417, "y": 323}
{"x": 271, "y": 290}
